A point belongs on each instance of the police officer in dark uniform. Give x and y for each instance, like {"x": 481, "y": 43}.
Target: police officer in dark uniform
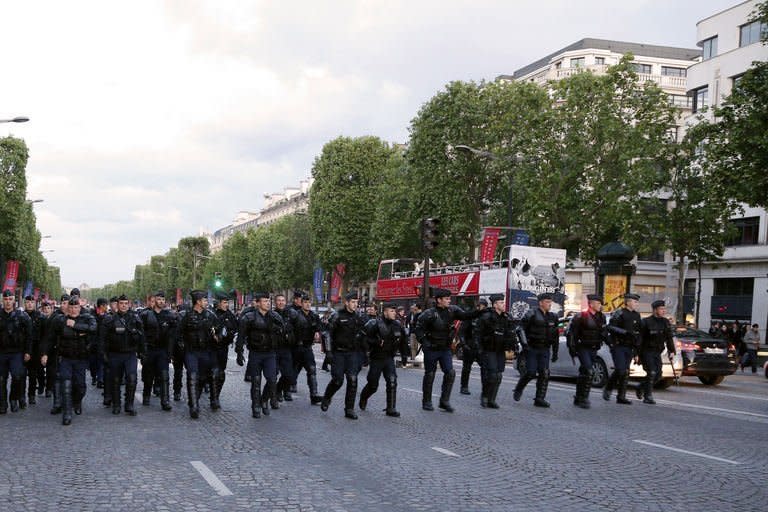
{"x": 285, "y": 349}
{"x": 306, "y": 331}
{"x": 15, "y": 349}
{"x": 74, "y": 336}
{"x": 95, "y": 362}
{"x": 53, "y": 384}
{"x": 470, "y": 351}
{"x": 259, "y": 330}
{"x": 159, "y": 325}
{"x": 177, "y": 358}
{"x": 228, "y": 324}
{"x": 655, "y": 333}
{"x": 495, "y": 334}
{"x": 541, "y": 335}
{"x": 33, "y": 366}
{"x": 107, "y": 392}
{"x": 586, "y": 334}
{"x": 434, "y": 330}
{"x": 384, "y": 336}
{"x": 624, "y": 340}
{"x": 121, "y": 339}
{"x": 347, "y": 346}
{"x": 198, "y": 333}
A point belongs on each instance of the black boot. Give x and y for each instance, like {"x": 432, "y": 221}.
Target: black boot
{"x": 214, "y": 389}
{"x": 493, "y": 391}
{"x": 256, "y": 397}
{"x": 609, "y": 386}
{"x": 279, "y": 392}
{"x": 349, "y": 397}
{"x": 147, "y": 380}
{"x": 621, "y": 396}
{"x": 588, "y": 388}
{"x": 330, "y": 390}
{"x": 177, "y": 385}
{"x": 66, "y": 402}
{"x": 107, "y": 391}
{"x": 314, "y": 398}
{"x": 274, "y": 403}
{"x": 649, "y": 381}
{"x": 130, "y": 394}
{"x": 116, "y": 383}
{"x": 466, "y": 369}
{"x": 56, "y": 409}
{"x": 165, "y": 402}
{"x": 392, "y": 400}
{"x": 524, "y": 380}
{"x": 31, "y": 395}
{"x": 542, "y": 382}
{"x": 365, "y": 394}
{"x": 426, "y": 391}
{"x": 4, "y": 396}
{"x": 287, "y": 391}
{"x": 193, "y": 395}
{"x": 146, "y": 396}
{"x": 77, "y": 401}
{"x": 15, "y": 391}
{"x": 580, "y": 400}
{"x": 445, "y": 395}
{"x": 484, "y": 392}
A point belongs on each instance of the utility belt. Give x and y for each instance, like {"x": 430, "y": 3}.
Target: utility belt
{"x": 260, "y": 343}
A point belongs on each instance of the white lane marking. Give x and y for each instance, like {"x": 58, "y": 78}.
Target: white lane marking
{"x": 445, "y": 452}
{"x": 697, "y": 454}
{"x": 732, "y": 395}
{"x": 211, "y": 478}
{"x": 417, "y": 391}
{"x": 705, "y": 407}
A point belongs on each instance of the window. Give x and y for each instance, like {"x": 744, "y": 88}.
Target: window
{"x": 736, "y": 79}
{"x": 689, "y": 288}
{"x": 599, "y": 61}
{"x": 700, "y": 98}
{"x": 649, "y": 293}
{"x": 746, "y": 231}
{"x": 734, "y": 286}
{"x": 670, "y": 71}
{"x": 672, "y": 135}
{"x": 751, "y": 33}
{"x": 651, "y": 255}
{"x": 558, "y": 65}
{"x": 577, "y": 63}
{"x": 681, "y": 101}
{"x": 709, "y": 48}
{"x": 643, "y": 69}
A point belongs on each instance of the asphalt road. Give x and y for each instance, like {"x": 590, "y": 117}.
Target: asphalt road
{"x": 699, "y": 449}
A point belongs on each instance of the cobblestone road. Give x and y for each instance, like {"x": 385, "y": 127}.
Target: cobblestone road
{"x": 699, "y": 449}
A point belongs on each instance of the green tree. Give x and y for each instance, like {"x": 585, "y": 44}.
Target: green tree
{"x": 191, "y": 255}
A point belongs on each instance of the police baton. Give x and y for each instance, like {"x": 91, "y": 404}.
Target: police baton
{"x": 674, "y": 372}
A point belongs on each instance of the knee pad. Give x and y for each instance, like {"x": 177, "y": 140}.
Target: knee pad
{"x": 545, "y": 373}
{"x": 392, "y": 380}
{"x": 338, "y": 382}
{"x": 451, "y": 373}
{"x": 352, "y": 379}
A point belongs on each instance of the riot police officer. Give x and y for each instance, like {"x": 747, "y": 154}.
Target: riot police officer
{"x": 53, "y": 384}
{"x": 384, "y": 336}
{"x": 121, "y": 340}
{"x": 586, "y": 335}
{"x": 159, "y": 324}
{"x": 470, "y": 350}
{"x": 494, "y": 334}
{"x": 541, "y": 335}
{"x": 655, "y": 333}
{"x": 347, "y": 347}
{"x": 95, "y": 362}
{"x": 75, "y": 334}
{"x": 624, "y": 340}
{"x": 228, "y": 324}
{"x": 306, "y": 331}
{"x": 259, "y": 330}
{"x": 33, "y": 366}
{"x": 434, "y": 332}
{"x": 15, "y": 349}
{"x": 285, "y": 349}
{"x": 198, "y": 335}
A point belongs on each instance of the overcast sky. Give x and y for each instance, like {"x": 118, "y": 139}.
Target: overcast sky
{"x": 151, "y": 120}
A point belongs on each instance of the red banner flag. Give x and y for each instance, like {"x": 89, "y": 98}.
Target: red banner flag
{"x": 11, "y": 275}
{"x": 490, "y": 241}
{"x": 179, "y": 298}
{"x": 336, "y": 279}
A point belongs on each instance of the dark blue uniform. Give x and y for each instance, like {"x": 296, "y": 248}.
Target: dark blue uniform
{"x": 494, "y": 334}
{"x": 307, "y": 324}
{"x": 228, "y": 324}
{"x": 121, "y": 338}
{"x": 586, "y": 335}
{"x": 34, "y": 370}
{"x": 284, "y": 352}
{"x": 159, "y": 332}
{"x": 384, "y": 337}
{"x": 624, "y": 340}
{"x": 470, "y": 353}
{"x": 260, "y": 332}
{"x": 434, "y": 330}
{"x": 541, "y": 336}
{"x": 198, "y": 334}
{"x": 15, "y": 342}
{"x": 347, "y": 346}
{"x": 655, "y": 334}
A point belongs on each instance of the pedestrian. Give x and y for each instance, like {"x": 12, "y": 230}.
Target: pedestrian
{"x": 470, "y": 350}
{"x": 541, "y": 336}
{"x": 624, "y": 340}
{"x": 159, "y": 325}
{"x": 384, "y": 336}
{"x": 347, "y": 347}
{"x": 15, "y": 349}
{"x": 33, "y": 366}
{"x": 586, "y": 335}
{"x": 751, "y": 345}
{"x": 306, "y": 331}
{"x": 177, "y": 357}
{"x": 198, "y": 333}
{"x": 74, "y": 336}
{"x": 495, "y": 335}
{"x": 413, "y": 318}
{"x": 655, "y": 333}
{"x": 259, "y": 330}
{"x": 404, "y": 348}
{"x": 285, "y": 348}
{"x": 327, "y": 356}
{"x": 121, "y": 343}
{"x": 229, "y": 324}
{"x": 53, "y": 384}
{"x": 434, "y": 332}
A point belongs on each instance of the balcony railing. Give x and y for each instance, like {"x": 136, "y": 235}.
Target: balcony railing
{"x": 664, "y": 81}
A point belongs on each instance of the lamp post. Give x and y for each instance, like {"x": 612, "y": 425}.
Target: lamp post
{"x": 18, "y": 119}
{"x": 195, "y": 256}
{"x": 33, "y": 201}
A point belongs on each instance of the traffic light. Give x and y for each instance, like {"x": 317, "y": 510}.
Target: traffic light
{"x": 217, "y": 279}
{"x": 430, "y": 234}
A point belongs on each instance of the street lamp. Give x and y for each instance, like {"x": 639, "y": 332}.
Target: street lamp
{"x": 33, "y": 201}
{"x": 45, "y": 236}
{"x": 19, "y": 119}
{"x": 47, "y": 250}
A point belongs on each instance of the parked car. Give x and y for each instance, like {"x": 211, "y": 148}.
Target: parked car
{"x": 708, "y": 358}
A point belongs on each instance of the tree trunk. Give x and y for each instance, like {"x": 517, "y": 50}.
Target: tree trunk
{"x": 698, "y": 292}
{"x": 680, "y": 311}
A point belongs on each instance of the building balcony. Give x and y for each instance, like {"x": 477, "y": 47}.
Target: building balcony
{"x": 663, "y": 81}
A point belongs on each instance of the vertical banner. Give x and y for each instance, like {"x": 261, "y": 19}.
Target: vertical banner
{"x": 336, "y": 280}
{"x": 179, "y": 297}
{"x": 490, "y": 241}
{"x": 27, "y": 289}
{"x": 317, "y": 283}
{"x": 11, "y": 275}
{"x": 36, "y": 294}
{"x": 239, "y": 298}
{"x": 615, "y": 288}
{"x": 521, "y": 237}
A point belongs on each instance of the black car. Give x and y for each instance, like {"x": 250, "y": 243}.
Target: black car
{"x": 708, "y": 358}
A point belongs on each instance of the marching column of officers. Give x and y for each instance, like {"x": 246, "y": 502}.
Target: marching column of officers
{"x": 56, "y": 349}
